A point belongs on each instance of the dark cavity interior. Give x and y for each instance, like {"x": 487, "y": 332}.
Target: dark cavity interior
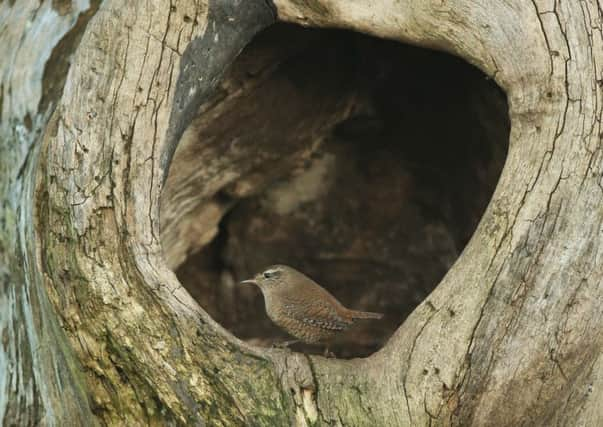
{"x": 364, "y": 163}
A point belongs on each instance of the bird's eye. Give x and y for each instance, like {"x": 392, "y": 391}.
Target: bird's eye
{"x": 269, "y": 273}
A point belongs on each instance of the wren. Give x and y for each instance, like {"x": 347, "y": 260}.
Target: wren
{"x": 303, "y": 308}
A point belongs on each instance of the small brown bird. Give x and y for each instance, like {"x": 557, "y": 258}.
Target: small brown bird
{"x": 303, "y": 308}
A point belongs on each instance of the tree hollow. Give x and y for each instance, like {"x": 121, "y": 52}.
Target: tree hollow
{"x": 365, "y": 163}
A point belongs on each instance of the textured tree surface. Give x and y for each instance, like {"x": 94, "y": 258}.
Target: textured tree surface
{"x": 127, "y": 142}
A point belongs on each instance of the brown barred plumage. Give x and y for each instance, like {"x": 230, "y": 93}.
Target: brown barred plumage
{"x": 302, "y": 307}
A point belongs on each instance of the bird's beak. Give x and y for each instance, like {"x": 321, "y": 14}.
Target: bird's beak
{"x": 249, "y": 282}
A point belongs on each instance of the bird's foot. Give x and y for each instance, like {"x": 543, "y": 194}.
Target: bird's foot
{"x": 329, "y": 354}
{"x": 284, "y": 344}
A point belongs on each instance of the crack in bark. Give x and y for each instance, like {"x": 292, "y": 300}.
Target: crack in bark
{"x": 434, "y": 311}
{"x": 546, "y": 39}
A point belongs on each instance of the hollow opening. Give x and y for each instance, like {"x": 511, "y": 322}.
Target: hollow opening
{"x": 364, "y": 163}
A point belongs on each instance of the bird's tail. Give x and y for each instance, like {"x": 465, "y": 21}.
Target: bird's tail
{"x": 365, "y": 315}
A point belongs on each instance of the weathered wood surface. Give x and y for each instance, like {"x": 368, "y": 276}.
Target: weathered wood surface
{"x": 82, "y": 173}
{"x": 40, "y": 378}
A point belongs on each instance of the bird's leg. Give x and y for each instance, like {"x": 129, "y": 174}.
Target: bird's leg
{"x": 329, "y": 354}
{"x": 284, "y": 344}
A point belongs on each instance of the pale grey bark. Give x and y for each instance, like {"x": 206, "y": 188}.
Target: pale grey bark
{"x": 40, "y": 378}
{"x": 83, "y": 167}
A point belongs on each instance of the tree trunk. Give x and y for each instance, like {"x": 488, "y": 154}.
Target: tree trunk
{"x": 96, "y": 328}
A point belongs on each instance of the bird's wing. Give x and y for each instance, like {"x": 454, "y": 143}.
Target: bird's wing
{"x": 316, "y": 313}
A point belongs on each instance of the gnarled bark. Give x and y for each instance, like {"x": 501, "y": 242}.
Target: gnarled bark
{"x": 95, "y": 326}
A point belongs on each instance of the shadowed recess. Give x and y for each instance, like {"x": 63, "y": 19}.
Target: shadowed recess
{"x": 364, "y": 163}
